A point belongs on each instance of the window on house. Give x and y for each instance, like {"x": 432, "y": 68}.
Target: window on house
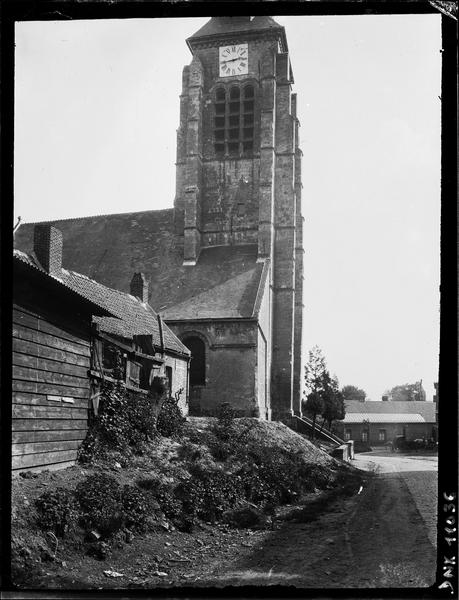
{"x": 134, "y": 374}
{"x": 113, "y": 361}
{"x": 198, "y": 360}
{"x": 234, "y": 121}
{"x": 145, "y": 374}
{"x": 364, "y": 435}
{"x": 348, "y": 434}
{"x": 382, "y": 435}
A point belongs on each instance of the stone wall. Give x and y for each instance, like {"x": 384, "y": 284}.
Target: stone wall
{"x": 230, "y": 365}
{"x": 179, "y": 379}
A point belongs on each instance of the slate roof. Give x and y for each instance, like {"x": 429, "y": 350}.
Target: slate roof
{"x": 110, "y": 248}
{"x": 378, "y": 409}
{"x": 130, "y": 316}
{"x": 232, "y": 295}
{"x": 384, "y": 418}
{"x": 223, "y": 25}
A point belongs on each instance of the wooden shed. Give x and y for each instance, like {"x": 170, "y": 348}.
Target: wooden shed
{"x": 66, "y": 328}
{"x": 51, "y": 358}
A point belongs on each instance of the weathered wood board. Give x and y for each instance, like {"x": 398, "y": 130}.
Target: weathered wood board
{"x": 50, "y": 397}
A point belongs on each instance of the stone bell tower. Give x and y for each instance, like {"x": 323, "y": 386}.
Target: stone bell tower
{"x": 238, "y": 178}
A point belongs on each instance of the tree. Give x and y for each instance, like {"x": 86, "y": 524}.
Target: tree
{"x": 314, "y": 370}
{"x": 313, "y": 406}
{"x": 407, "y": 392}
{"x": 323, "y": 396}
{"x": 333, "y": 400}
{"x": 351, "y": 392}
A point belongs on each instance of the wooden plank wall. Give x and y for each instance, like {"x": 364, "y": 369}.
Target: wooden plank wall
{"x": 50, "y": 391}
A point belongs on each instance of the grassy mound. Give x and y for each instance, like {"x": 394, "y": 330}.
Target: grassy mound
{"x": 225, "y": 470}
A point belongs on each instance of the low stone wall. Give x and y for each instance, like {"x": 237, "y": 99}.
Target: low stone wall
{"x": 344, "y": 452}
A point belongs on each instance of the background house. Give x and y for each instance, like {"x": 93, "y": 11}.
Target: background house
{"x": 379, "y": 422}
{"x": 68, "y": 330}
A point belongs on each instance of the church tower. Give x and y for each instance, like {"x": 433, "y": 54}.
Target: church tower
{"x": 238, "y": 177}
{"x": 225, "y": 265}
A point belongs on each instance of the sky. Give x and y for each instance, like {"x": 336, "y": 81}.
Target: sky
{"x": 96, "y": 114}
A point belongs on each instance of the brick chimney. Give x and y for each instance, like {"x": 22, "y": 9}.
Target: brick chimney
{"x": 47, "y": 245}
{"x": 139, "y": 287}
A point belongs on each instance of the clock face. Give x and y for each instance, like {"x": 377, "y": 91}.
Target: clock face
{"x": 234, "y": 60}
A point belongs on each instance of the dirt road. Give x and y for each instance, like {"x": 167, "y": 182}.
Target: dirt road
{"x": 392, "y": 533}
{"x": 382, "y": 537}
{"x": 419, "y": 472}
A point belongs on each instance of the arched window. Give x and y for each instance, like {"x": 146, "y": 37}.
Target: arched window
{"x": 198, "y": 360}
{"x": 234, "y": 121}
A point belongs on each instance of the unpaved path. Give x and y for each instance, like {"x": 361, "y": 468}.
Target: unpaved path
{"x": 419, "y": 472}
{"x": 382, "y": 537}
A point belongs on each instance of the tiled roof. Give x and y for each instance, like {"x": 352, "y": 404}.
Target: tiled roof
{"x": 384, "y": 418}
{"x": 32, "y": 262}
{"x": 110, "y": 248}
{"x": 134, "y": 317}
{"x": 380, "y": 407}
{"x": 130, "y": 316}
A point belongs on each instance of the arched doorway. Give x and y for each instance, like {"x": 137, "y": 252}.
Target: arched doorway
{"x": 197, "y": 371}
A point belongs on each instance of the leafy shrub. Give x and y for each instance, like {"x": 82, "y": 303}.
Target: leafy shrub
{"x": 100, "y": 498}
{"x": 170, "y": 419}
{"x": 272, "y": 475}
{"x": 224, "y": 427}
{"x": 137, "y": 507}
{"x": 225, "y": 415}
{"x": 317, "y": 476}
{"x": 169, "y": 503}
{"x": 125, "y": 422}
{"x": 57, "y": 511}
{"x": 141, "y": 416}
{"x": 220, "y": 491}
{"x": 111, "y": 423}
{"x": 190, "y": 452}
{"x": 90, "y": 447}
{"x": 256, "y": 488}
{"x": 222, "y": 447}
{"x": 190, "y": 494}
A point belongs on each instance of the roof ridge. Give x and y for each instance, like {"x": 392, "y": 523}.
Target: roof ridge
{"x": 138, "y": 212}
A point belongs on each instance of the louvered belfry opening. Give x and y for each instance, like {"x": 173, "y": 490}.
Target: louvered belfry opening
{"x": 234, "y": 120}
